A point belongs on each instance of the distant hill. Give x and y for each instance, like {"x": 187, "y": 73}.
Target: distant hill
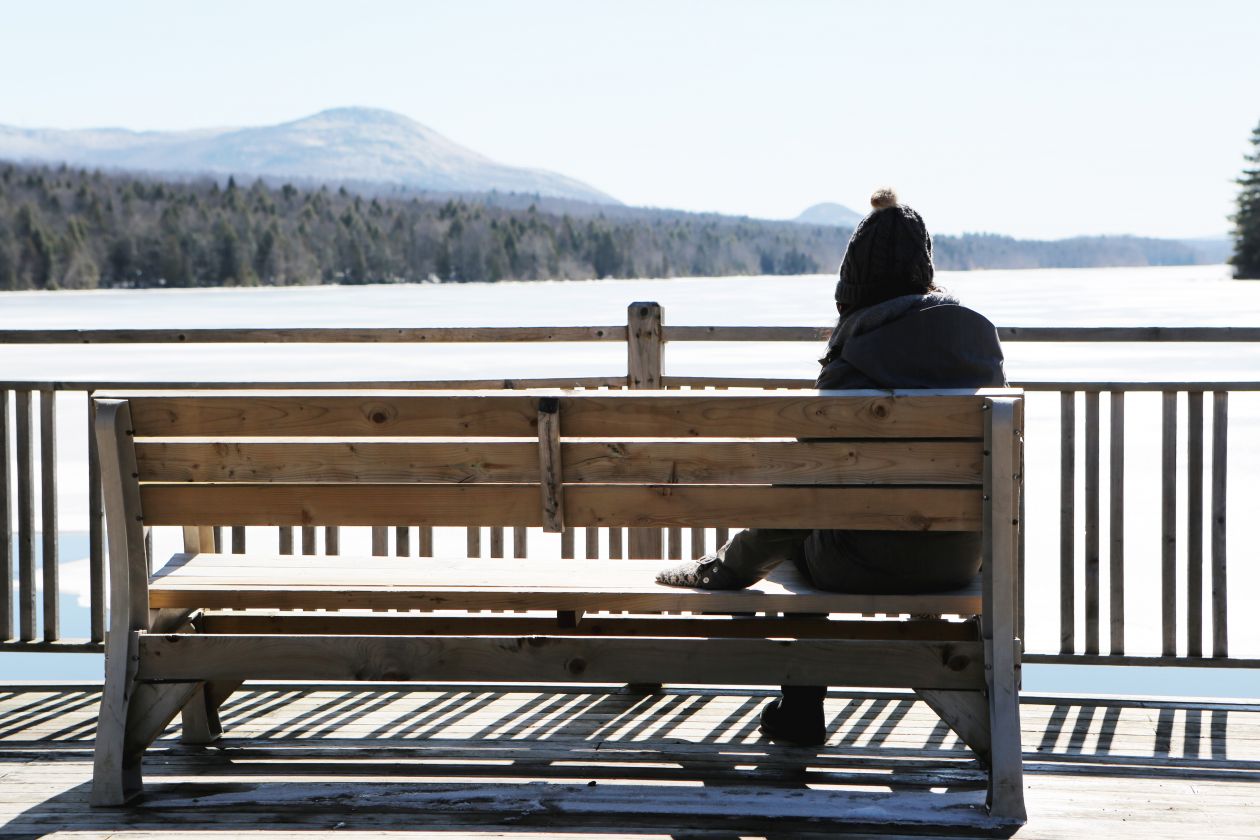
{"x": 82, "y": 229}
{"x": 829, "y": 213}
{"x": 342, "y": 145}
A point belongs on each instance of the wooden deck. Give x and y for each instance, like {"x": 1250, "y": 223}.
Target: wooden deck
{"x": 485, "y": 761}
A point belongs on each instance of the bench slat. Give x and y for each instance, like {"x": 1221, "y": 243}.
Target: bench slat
{"x": 316, "y": 582}
{"x": 932, "y": 665}
{"x": 866, "y": 508}
{"x": 603, "y": 414}
{"x": 611, "y": 462}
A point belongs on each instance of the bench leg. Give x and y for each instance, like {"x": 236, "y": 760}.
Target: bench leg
{"x": 136, "y": 717}
{"x": 1006, "y": 766}
{"x": 201, "y": 723}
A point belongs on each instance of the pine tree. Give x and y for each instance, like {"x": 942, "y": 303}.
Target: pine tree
{"x": 1246, "y": 259}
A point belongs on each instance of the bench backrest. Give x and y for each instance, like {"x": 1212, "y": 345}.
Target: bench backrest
{"x": 901, "y": 460}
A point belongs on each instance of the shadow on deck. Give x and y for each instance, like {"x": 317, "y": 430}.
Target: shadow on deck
{"x": 469, "y": 760}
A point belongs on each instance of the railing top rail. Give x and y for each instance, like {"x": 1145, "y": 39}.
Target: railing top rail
{"x": 316, "y": 335}
{"x": 616, "y": 332}
{"x": 571, "y": 382}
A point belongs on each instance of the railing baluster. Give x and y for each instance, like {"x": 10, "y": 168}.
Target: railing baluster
{"x": 238, "y": 539}
{"x": 721, "y": 535}
{"x": 1067, "y": 522}
{"x": 380, "y": 540}
{"x": 1116, "y": 569}
{"x": 520, "y": 541}
{"x": 308, "y": 539}
{"x": 96, "y": 533}
{"x": 473, "y": 541}
{"x": 697, "y": 543}
{"x": 48, "y": 513}
{"x": 402, "y": 541}
{"x": 1194, "y": 525}
{"x": 6, "y": 524}
{"x": 592, "y": 543}
{"x": 1092, "y": 505}
{"x": 615, "y": 551}
{"x": 496, "y": 542}
{"x": 332, "y": 540}
{"x": 675, "y": 543}
{"x": 1168, "y": 521}
{"x": 26, "y": 518}
{"x": 1220, "y": 461}
{"x": 286, "y": 539}
{"x": 566, "y": 544}
{"x": 425, "y": 534}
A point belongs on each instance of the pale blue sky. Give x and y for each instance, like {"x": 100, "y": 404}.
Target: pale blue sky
{"x": 1035, "y": 119}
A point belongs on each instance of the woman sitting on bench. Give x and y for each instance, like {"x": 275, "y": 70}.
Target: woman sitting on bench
{"x": 896, "y": 330}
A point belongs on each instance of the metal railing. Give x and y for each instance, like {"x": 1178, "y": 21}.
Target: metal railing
{"x": 1190, "y": 635}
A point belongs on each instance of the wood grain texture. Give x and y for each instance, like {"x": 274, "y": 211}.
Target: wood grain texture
{"x": 651, "y": 506}
{"x": 783, "y": 414}
{"x": 611, "y": 462}
{"x": 281, "y": 582}
{"x": 550, "y": 465}
{"x": 945, "y": 665}
{"x": 256, "y": 622}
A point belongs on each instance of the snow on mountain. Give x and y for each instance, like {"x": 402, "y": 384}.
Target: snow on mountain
{"x": 829, "y": 213}
{"x": 338, "y": 145}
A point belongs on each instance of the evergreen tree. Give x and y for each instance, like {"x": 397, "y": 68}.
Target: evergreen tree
{"x": 1246, "y": 259}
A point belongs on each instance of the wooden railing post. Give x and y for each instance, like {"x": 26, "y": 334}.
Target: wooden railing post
{"x": 645, "y": 349}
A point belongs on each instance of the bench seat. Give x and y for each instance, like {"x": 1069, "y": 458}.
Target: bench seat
{"x": 260, "y": 581}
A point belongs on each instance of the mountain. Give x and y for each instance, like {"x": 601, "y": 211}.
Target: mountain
{"x": 828, "y": 213}
{"x": 342, "y": 145}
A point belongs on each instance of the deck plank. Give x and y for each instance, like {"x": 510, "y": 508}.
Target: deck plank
{"x": 472, "y": 760}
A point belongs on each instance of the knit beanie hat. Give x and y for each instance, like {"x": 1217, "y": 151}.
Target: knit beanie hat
{"x": 889, "y": 255}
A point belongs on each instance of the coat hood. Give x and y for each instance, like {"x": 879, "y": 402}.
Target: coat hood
{"x": 914, "y": 341}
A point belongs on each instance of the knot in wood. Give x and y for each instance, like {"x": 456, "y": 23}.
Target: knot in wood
{"x": 879, "y": 410}
{"x": 957, "y": 661}
{"x": 576, "y": 665}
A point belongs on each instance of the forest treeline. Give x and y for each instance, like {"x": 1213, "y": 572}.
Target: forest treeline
{"x": 65, "y": 228}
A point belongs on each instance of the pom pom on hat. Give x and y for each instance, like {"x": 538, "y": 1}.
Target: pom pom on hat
{"x": 883, "y": 198}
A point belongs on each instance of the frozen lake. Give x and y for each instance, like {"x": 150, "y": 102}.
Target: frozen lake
{"x": 1176, "y": 296}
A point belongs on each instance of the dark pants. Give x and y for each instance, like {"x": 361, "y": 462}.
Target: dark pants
{"x": 853, "y": 561}
{"x": 857, "y": 561}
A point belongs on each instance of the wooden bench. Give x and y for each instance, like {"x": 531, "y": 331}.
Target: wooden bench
{"x": 184, "y": 637}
